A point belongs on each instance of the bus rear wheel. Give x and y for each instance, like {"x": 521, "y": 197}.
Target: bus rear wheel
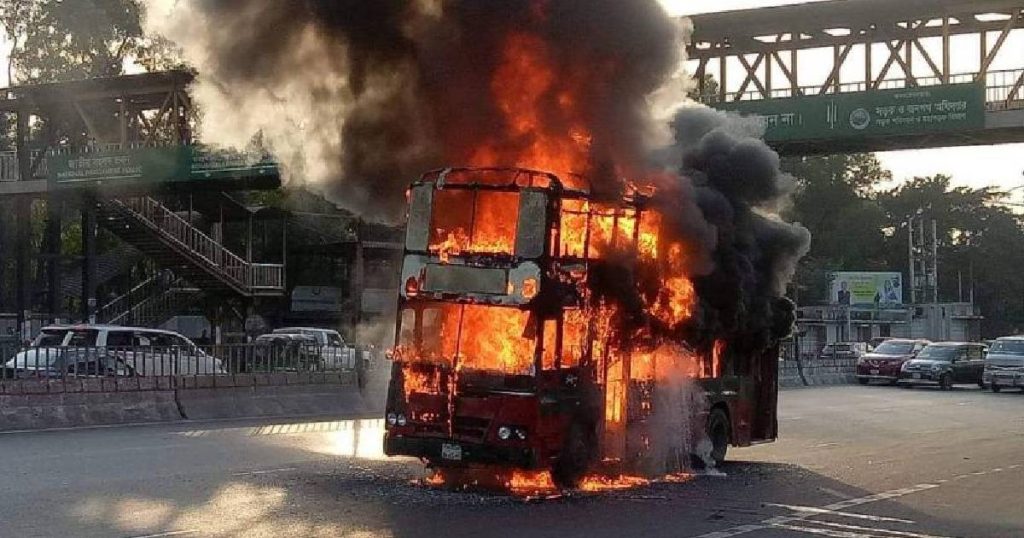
{"x": 718, "y": 434}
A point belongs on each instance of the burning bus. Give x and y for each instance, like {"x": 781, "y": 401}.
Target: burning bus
{"x": 534, "y": 333}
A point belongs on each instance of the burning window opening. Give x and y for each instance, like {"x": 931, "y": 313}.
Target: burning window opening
{"x": 469, "y": 337}
{"x": 473, "y": 221}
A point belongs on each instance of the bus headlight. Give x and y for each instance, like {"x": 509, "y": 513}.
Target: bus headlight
{"x": 521, "y": 434}
{"x": 401, "y": 420}
{"x": 504, "y": 433}
{"x": 392, "y": 419}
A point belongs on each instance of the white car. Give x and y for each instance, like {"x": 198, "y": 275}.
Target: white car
{"x": 335, "y": 353}
{"x": 110, "y": 350}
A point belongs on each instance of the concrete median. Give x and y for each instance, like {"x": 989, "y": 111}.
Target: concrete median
{"x": 43, "y": 404}
{"x": 817, "y": 372}
{"x": 277, "y": 395}
{"x": 27, "y": 408}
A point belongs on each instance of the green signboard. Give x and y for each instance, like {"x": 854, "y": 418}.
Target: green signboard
{"x": 871, "y": 113}
{"x": 150, "y": 165}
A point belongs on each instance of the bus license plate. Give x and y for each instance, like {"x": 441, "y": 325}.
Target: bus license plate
{"x": 451, "y": 452}
{"x": 917, "y": 376}
{"x": 874, "y": 372}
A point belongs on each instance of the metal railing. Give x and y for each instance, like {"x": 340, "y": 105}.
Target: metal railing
{"x": 148, "y": 303}
{"x": 268, "y": 276}
{"x": 998, "y": 85}
{"x": 73, "y": 364}
{"x": 202, "y": 247}
{"x": 9, "y": 170}
{"x": 118, "y": 307}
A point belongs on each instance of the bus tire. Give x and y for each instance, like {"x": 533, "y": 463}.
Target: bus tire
{"x": 576, "y": 456}
{"x": 718, "y": 433}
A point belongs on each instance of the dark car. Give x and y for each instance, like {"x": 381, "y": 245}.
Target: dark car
{"x": 886, "y": 360}
{"x": 945, "y": 364}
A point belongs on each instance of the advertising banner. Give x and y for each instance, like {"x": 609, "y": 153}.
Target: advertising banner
{"x": 859, "y": 288}
{"x": 904, "y": 111}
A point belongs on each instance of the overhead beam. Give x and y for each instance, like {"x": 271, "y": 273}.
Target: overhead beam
{"x": 737, "y": 32}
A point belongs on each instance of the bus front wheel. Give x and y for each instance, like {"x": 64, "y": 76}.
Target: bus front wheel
{"x": 576, "y": 456}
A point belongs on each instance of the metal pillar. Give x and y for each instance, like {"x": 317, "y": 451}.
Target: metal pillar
{"x": 358, "y": 284}
{"x": 23, "y": 225}
{"x": 53, "y": 241}
{"x": 910, "y": 258}
{"x": 4, "y": 256}
{"x": 89, "y": 231}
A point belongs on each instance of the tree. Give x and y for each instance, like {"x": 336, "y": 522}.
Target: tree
{"x": 980, "y": 245}
{"x": 60, "y": 40}
{"x": 833, "y": 201}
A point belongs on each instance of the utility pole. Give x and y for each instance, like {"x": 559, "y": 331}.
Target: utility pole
{"x": 923, "y": 253}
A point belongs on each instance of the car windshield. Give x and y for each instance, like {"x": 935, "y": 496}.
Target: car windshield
{"x": 894, "y": 348}
{"x": 938, "y": 353}
{"x": 1008, "y": 347}
{"x": 83, "y": 338}
{"x": 50, "y": 338}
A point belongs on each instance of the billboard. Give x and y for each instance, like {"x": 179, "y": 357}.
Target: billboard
{"x": 904, "y": 111}
{"x": 865, "y": 288}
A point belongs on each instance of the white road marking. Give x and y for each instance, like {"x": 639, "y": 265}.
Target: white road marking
{"x": 168, "y": 533}
{"x": 831, "y": 509}
{"x": 836, "y": 533}
{"x": 267, "y": 471}
{"x": 835, "y": 493}
{"x": 735, "y": 531}
{"x": 851, "y": 515}
{"x": 840, "y": 530}
{"x": 887, "y": 532}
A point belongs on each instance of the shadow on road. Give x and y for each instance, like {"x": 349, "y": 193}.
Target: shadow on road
{"x": 352, "y": 496}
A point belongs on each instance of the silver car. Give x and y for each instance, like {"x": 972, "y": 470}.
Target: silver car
{"x": 61, "y": 350}
{"x": 1004, "y": 365}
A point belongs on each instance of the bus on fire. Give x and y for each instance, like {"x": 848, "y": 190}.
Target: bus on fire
{"x": 517, "y": 346}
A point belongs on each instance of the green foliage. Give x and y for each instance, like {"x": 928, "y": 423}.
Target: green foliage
{"x": 62, "y": 40}
{"x": 855, "y": 226}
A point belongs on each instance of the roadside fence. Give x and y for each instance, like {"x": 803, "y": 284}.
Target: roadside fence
{"x": 805, "y": 362}
{"x": 160, "y": 368}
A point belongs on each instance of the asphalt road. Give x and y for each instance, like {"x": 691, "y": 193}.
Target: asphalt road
{"x": 853, "y": 462}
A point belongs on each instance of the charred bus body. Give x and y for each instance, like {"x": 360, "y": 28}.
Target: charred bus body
{"x": 504, "y": 357}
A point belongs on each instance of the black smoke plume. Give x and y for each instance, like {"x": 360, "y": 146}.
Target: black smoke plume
{"x": 739, "y": 189}
{"x": 358, "y": 97}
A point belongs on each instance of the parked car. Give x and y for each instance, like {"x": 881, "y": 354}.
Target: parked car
{"x": 286, "y": 350}
{"x": 945, "y": 364}
{"x": 110, "y": 350}
{"x": 877, "y": 341}
{"x": 843, "y": 350}
{"x": 1004, "y": 364}
{"x": 335, "y": 353}
{"x": 885, "y": 361}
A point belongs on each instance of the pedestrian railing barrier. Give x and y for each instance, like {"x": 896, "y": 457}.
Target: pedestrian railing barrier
{"x": 110, "y": 365}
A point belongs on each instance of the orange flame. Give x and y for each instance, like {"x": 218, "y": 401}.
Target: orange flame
{"x": 523, "y": 87}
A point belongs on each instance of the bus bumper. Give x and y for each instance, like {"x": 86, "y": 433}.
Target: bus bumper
{"x": 449, "y": 452}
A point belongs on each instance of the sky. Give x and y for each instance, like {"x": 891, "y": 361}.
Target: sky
{"x": 975, "y": 166}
